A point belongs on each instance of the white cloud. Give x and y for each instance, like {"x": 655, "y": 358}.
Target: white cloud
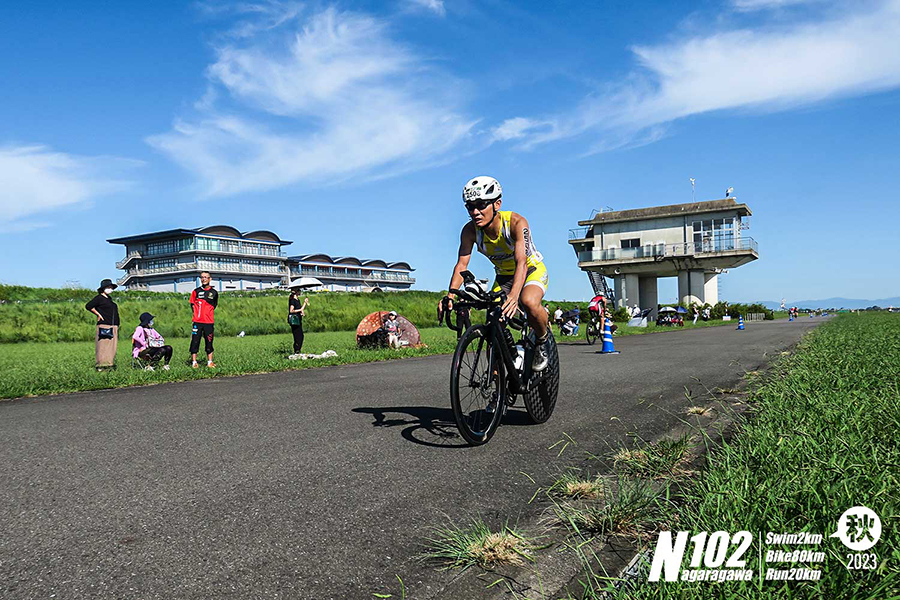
{"x": 516, "y": 128}
{"x": 765, "y": 69}
{"x": 437, "y": 6}
{"x": 259, "y": 16}
{"x": 750, "y": 5}
{"x": 38, "y": 180}
{"x": 331, "y": 98}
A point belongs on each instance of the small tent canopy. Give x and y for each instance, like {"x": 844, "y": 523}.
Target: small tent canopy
{"x": 369, "y": 332}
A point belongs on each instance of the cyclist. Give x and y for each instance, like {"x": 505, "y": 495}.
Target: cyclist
{"x": 598, "y": 307}
{"x": 505, "y": 238}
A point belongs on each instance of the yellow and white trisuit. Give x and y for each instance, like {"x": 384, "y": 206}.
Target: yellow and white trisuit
{"x": 501, "y": 252}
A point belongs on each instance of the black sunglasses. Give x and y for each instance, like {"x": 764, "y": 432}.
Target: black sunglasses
{"x": 479, "y": 205}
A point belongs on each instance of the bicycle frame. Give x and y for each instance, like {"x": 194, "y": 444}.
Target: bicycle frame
{"x": 518, "y": 381}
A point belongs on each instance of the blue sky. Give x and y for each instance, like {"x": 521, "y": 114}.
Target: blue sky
{"x": 351, "y": 128}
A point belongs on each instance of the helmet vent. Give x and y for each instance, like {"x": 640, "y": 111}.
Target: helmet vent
{"x": 489, "y": 191}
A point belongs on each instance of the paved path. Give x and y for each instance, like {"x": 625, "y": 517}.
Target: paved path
{"x": 311, "y": 484}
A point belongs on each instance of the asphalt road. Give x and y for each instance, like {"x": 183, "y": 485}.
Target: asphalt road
{"x": 313, "y": 484}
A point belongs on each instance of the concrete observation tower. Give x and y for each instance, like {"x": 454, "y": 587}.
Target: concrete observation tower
{"x": 694, "y": 242}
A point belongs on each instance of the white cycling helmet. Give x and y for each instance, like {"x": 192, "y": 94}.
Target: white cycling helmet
{"x": 482, "y": 188}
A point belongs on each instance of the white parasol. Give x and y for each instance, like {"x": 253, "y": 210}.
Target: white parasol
{"x": 305, "y": 282}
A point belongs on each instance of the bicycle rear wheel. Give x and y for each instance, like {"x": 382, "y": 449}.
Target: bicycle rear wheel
{"x": 477, "y": 381}
{"x": 540, "y": 400}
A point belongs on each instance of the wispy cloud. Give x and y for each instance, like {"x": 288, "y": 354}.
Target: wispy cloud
{"x": 517, "y": 127}
{"x": 315, "y": 98}
{"x": 751, "y": 5}
{"x": 37, "y": 180}
{"x": 764, "y": 69}
{"x": 436, "y": 6}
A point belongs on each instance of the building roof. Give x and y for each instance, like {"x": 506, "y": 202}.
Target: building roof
{"x": 351, "y": 260}
{"x": 259, "y": 235}
{"x": 670, "y": 210}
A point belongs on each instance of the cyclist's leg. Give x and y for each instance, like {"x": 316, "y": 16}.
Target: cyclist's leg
{"x": 531, "y": 300}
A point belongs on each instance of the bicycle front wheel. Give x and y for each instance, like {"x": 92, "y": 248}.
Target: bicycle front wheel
{"x": 477, "y": 380}
{"x": 591, "y": 332}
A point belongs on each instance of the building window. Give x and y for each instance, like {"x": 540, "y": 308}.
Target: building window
{"x": 632, "y": 243}
{"x": 169, "y": 246}
{"x": 159, "y": 265}
{"x": 713, "y": 235}
{"x": 204, "y": 243}
{"x": 229, "y": 246}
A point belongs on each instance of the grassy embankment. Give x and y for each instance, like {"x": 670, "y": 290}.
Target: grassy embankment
{"x": 821, "y": 437}
{"x": 35, "y": 368}
{"x": 261, "y": 313}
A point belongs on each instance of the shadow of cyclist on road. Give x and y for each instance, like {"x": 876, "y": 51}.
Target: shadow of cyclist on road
{"x": 431, "y": 426}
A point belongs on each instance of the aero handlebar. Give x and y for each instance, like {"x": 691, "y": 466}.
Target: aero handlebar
{"x": 489, "y": 299}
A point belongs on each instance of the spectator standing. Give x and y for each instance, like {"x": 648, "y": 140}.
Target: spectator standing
{"x": 296, "y": 312}
{"x": 696, "y": 313}
{"x": 557, "y": 317}
{"x": 392, "y": 328}
{"x": 107, "y": 311}
{"x": 149, "y": 345}
{"x": 204, "y": 301}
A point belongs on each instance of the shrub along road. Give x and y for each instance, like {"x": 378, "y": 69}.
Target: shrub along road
{"x": 320, "y": 483}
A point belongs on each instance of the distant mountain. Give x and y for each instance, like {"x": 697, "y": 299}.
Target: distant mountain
{"x": 835, "y": 303}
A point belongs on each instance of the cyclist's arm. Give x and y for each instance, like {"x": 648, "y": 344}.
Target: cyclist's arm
{"x": 466, "y": 243}
{"x": 519, "y": 232}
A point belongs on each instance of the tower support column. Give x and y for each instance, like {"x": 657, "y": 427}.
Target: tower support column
{"x": 691, "y": 287}
{"x": 711, "y": 288}
{"x": 649, "y": 296}
{"x": 632, "y": 290}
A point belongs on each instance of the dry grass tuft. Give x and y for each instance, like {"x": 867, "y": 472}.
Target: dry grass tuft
{"x": 501, "y": 548}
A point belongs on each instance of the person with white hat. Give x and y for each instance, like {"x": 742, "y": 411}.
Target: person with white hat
{"x": 392, "y": 328}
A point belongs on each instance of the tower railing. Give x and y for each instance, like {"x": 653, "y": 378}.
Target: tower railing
{"x": 711, "y": 246}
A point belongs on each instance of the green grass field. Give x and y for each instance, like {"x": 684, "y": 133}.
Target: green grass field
{"x": 35, "y": 368}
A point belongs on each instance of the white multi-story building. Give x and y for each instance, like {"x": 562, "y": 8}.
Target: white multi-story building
{"x": 694, "y": 242}
{"x": 172, "y": 260}
{"x": 349, "y": 274}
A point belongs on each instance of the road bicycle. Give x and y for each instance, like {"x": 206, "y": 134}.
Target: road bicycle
{"x": 490, "y": 369}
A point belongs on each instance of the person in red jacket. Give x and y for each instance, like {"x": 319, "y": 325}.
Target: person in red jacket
{"x": 203, "y": 301}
